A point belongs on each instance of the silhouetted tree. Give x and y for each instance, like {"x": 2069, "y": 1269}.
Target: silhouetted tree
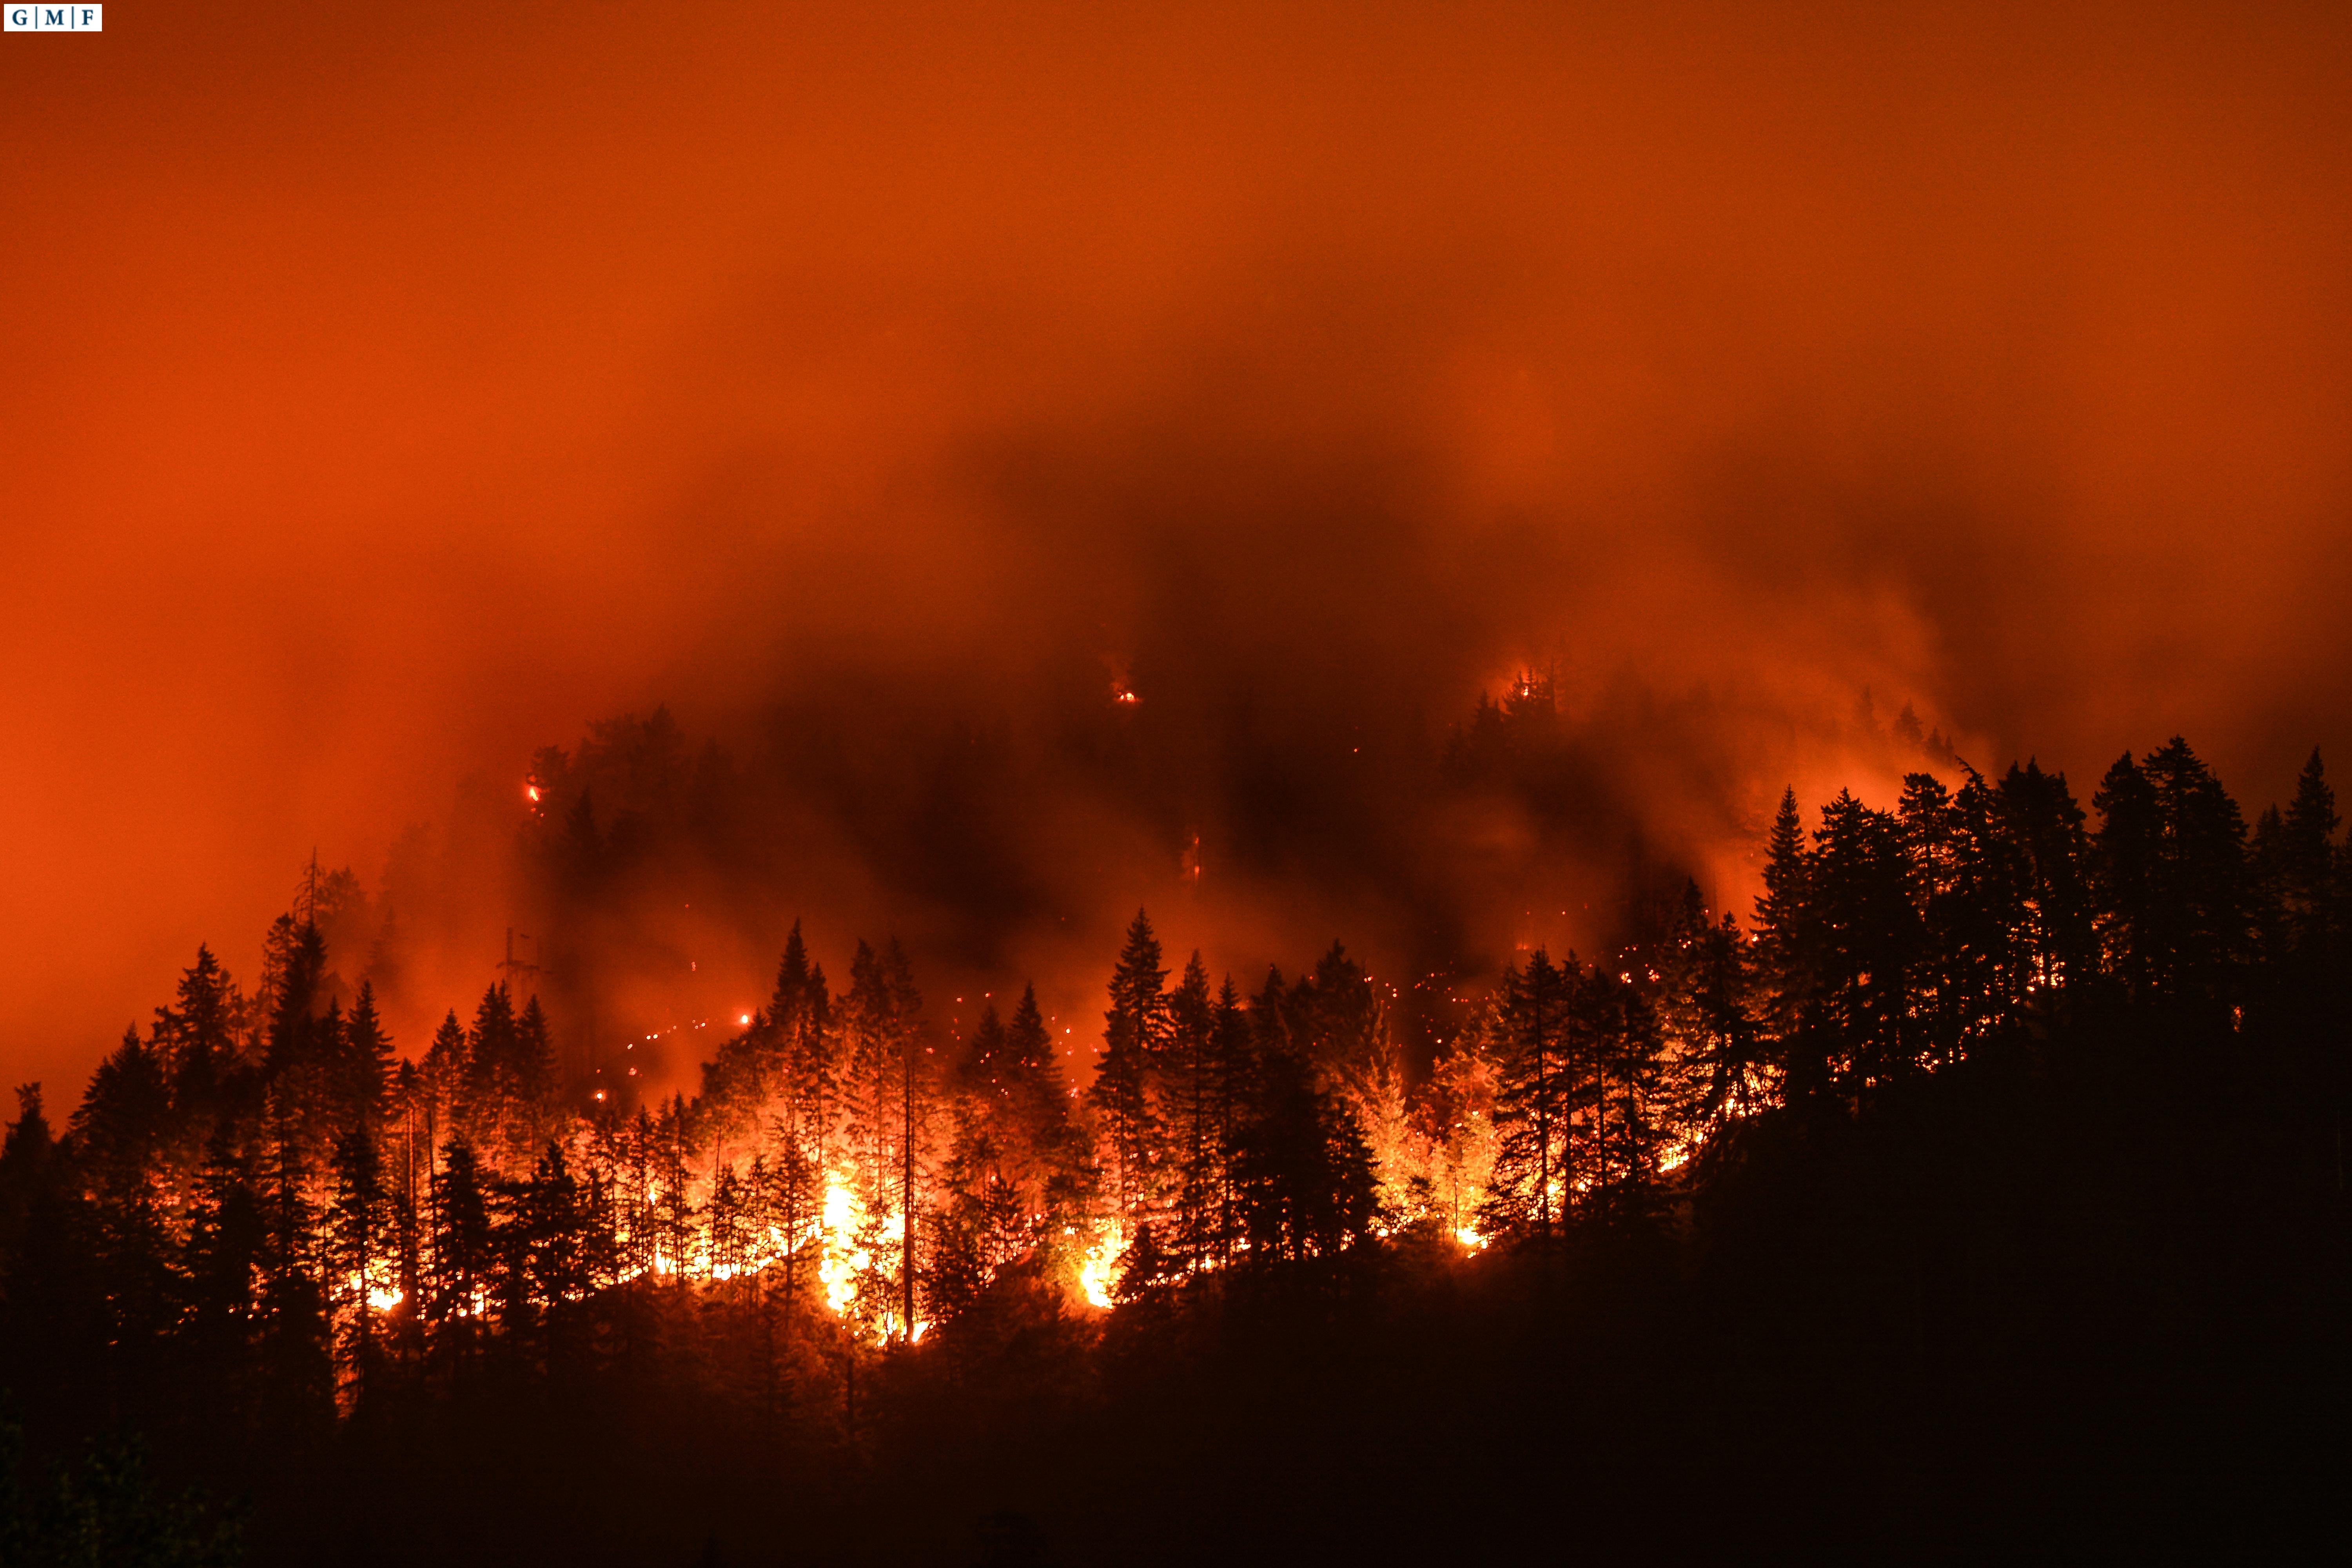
{"x": 1124, "y": 1097}
{"x": 1529, "y": 1030}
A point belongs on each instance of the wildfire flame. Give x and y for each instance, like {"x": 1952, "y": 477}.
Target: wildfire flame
{"x": 842, "y": 1258}
{"x": 1095, "y": 1272}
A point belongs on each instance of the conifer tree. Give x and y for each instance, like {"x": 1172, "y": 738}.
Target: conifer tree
{"x": 1232, "y": 1090}
{"x": 558, "y": 1252}
{"x": 1188, "y": 1079}
{"x": 1529, "y": 1028}
{"x": 119, "y": 1135}
{"x": 1056, "y": 1173}
{"x": 296, "y": 1349}
{"x": 1627, "y": 1102}
{"x": 532, "y": 1080}
{"x": 1458, "y": 1113}
{"x": 2057, "y": 934}
{"x": 364, "y": 1078}
{"x": 1124, "y": 1097}
{"x": 2307, "y": 881}
{"x": 446, "y": 1074}
{"x": 1782, "y": 958}
{"x": 1705, "y": 1000}
{"x": 810, "y": 1040}
{"x": 478, "y": 1114}
{"x": 2126, "y": 856}
{"x": 228, "y": 1249}
{"x": 1856, "y": 1031}
{"x": 198, "y": 1040}
{"x": 359, "y": 1256}
{"x": 2176, "y": 922}
{"x": 1303, "y": 1175}
{"x": 461, "y": 1278}
{"x": 2204, "y": 915}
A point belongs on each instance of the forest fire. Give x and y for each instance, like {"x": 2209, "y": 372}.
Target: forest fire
{"x": 849, "y": 1186}
{"x": 830, "y": 1133}
{"x": 1646, "y": 530}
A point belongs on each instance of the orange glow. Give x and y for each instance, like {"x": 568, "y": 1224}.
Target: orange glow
{"x": 1099, "y": 1267}
{"x": 835, "y": 391}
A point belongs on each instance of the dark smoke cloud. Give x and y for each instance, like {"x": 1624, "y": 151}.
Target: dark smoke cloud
{"x": 398, "y": 395}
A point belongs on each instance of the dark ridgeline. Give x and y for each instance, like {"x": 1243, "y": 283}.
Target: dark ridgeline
{"x": 1988, "y": 1195}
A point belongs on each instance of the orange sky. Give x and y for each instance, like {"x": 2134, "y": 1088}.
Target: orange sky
{"x": 385, "y": 391}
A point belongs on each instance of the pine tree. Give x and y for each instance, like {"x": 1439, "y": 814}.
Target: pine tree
{"x": 1626, "y": 1104}
{"x": 1058, "y": 1175}
{"x": 2203, "y": 912}
{"x": 1124, "y": 1093}
{"x": 295, "y": 1343}
{"x": 446, "y": 1074}
{"x": 2125, "y": 854}
{"x": 462, "y": 1277}
{"x": 914, "y": 1119}
{"x": 2307, "y": 862}
{"x": 802, "y": 1009}
{"x": 226, "y": 1250}
{"x": 1856, "y": 1031}
{"x": 1232, "y": 1090}
{"x": 1782, "y": 951}
{"x": 1303, "y": 1175}
{"x": 119, "y": 1135}
{"x": 1458, "y": 1113}
{"x": 1527, "y": 1028}
{"x": 198, "y": 1039}
{"x": 2058, "y": 935}
{"x": 2176, "y": 920}
{"x": 359, "y": 1256}
{"x": 1705, "y": 1003}
{"x": 1188, "y": 1085}
{"x": 532, "y": 1081}
{"x": 1970, "y": 886}
{"x": 364, "y": 1078}
{"x": 557, "y": 1252}
{"x": 29, "y": 1167}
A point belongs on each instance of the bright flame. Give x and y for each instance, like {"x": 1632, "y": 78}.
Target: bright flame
{"x": 842, "y": 1258}
{"x": 1095, "y": 1270}
{"x": 530, "y": 793}
{"x": 381, "y": 1297}
{"x": 1471, "y": 1239}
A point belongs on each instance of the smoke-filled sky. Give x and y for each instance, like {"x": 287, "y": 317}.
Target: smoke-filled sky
{"x": 387, "y": 391}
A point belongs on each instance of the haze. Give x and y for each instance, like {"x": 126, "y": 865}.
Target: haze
{"x": 387, "y": 392}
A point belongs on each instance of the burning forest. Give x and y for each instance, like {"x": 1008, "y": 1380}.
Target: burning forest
{"x": 914, "y": 784}
{"x": 264, "y": 1220}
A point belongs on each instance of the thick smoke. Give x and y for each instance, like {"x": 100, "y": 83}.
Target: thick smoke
{"x": 885, "y": 396}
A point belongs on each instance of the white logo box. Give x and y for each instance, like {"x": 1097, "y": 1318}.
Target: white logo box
{"x": 15, "y": 18}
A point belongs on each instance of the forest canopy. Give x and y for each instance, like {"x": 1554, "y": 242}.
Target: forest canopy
{"x": 269, "y": 1223}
